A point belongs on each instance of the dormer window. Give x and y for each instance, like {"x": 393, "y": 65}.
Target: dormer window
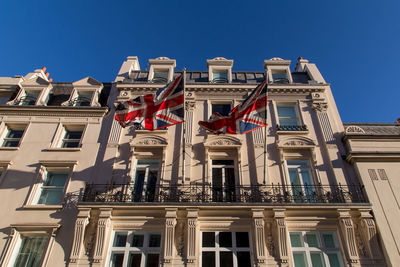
{"x": 279, "y": 76}
{"x": 220, "y": 77}
{"x": 161, "y": 70}
{"x": 160, "y": 76}
{"x": 220, "y": 70}
{"x": 29, "y": 98}
{"x": 82, "y": 99}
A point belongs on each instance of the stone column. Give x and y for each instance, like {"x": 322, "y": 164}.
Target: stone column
{"x": 169, "y": 235}
{"x": 369, "y": 237}
{"x": 78, "y": 243}
{"x": 349, "y": 237}
{"x": 103, "y": 229}
{"x": 191, "y": 248}
{"x": 259, "y": 236}
{"x": 190, "y": 105}
{"x": 281, "y": 237}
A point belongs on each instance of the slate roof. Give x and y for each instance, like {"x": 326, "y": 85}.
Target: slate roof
{"x": 381, "y": 129}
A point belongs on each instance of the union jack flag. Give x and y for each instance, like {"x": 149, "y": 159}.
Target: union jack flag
{"x": 153, "y": 112}
{"x": 244, "y": 118}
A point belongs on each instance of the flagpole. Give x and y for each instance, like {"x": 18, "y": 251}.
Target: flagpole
{"x": 265, "y": 135}
{"x": 183, "y": 128}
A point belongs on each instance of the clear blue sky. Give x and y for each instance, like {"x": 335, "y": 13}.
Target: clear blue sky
{"x": 355, "y": 43}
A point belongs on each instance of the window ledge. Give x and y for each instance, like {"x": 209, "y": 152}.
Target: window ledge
{"x": 42, "y": 207}
{"x": 65, "y": 149}
{"x": 9, "y": 148}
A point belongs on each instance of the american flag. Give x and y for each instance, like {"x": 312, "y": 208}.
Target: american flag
{"x": 153, "y": 112}
{"x": 244, "y": 118}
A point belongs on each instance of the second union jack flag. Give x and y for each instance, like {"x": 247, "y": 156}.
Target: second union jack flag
{"x": 153, "y": 112}
{"x": 244, "y": 118}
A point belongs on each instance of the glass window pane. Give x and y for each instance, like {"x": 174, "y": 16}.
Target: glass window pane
{"x": 243, "y": 259}
{"x": 242, "y": 240}
{"x": 154, "y": 240}
{"x": 296, "y": 240}
{"x": 334, "y": 260}
{"x": 137, "y": 240}
{"x": 317, "y": 260}
{"x": 222, "y": 109}
{"x": 56, "y": 179}
{"x": 15, "y": 133}
{"x": 225, "y": 239}
{"x": 154, "y": 162}
{"x": 288, "y": 122}
{"x": 117, "y": 259}
{"x": 8, "y": 143}
{"x": 208, "y": 240}
{"x": 226, "y": 259}
{"x": 31, "y": 251}
{"x": 329, "y": 240}
{"x": 222, "y": 162}
{"x": 135, "y": 260}
{"x": 286, "y": 111}
{"x": 208, "y": 259}
{"x": 120, "y": 240}
{"x": 152, "y": 260}
{"x": 312, "y": 240}
{"x": 51, "y": 196}
{"x": 294, "y": 177}
{"x": 73, "y": 134}
{"x": 299, "y": 259}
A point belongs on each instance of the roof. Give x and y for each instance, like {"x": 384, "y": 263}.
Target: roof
{"x": 372, "y": 129}
{"x": 238, "y": 77}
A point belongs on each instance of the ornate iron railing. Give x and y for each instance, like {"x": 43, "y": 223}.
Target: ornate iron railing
{"x": 207, "y": 193}
{"x": 291, "y": 127}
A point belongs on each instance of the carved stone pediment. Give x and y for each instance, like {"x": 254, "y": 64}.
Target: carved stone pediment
{"x": 87, "y": 82}
{"x": 353, "y": 129}
{"x": 296, "y": 142}
{"x": 35, "y": 82}
{"x": 149, "y": 141}
{"x": 222, "y": 141}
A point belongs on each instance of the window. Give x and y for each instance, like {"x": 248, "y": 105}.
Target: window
{"x": 52, "y": 189}
{"x": 223, "y": 109}
{"x": 279, "y": 76}
{"x": 29, "y": 99}
{"x": 160, "y": 76}
{"x": 315, "y": 249}
{"x": 301, "y": 180}
{"x": 146, "y": 176}
{"x": 287, "y": 115}
{"x": 13, "y": 136}
{"x": 31, "y": 251}
{"x": 220, "y": 77}
{"x": 72, "y": 137}
{"x": 225, "y": 249}
{"x": 135, "y": 249}
{"x": 83, "y": 99}
{"x": 223, "y": 181}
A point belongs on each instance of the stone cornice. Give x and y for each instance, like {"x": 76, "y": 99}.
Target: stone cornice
{"x": 373, "y": 156}
{"x": 57, "y": 111}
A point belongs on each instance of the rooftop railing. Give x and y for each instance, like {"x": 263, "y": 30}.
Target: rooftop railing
{"x": 208, "y": 193}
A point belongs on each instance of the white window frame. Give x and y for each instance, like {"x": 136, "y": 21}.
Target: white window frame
{"x": 147, "y": 168}
{"x": 127, "y": 250}
{"x": 322, "y": 249}
{"x": 3, "y": 169}
{"x": 217, "y": 249}
{"x": 43, "y": 94}
{"x": 286, "y": 69}
{"x": 216, "y": 102}
{"x": 13, "y": 247}
{"x": 311, "y": 171}
{"x": 44, "y": 175}
{"x": 59, "y": 135}
{"x": 7, "y": 127}
{"x": 300, "y": 119}
{"x": 224, "y": 182}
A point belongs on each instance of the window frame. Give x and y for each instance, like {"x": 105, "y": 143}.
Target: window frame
{"x": 78, "y": 92}
{"x": 322, "y": 249}
{"x": 161, "y": 79}
{"x": 128, "y": 250}
{"x": 299, "y": 115}
{"x": 43, "y": 178}
{"x": 313, "y": 178}
{"x": 147, "y": 168}
{"x": 217, "y": 249}
{"x": 61, "y": 132}
{"x": 224, "y": 182}
{"x": 12, "y": 126}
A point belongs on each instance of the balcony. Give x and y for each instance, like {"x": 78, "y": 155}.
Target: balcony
{"x": 292, "y": 128}
{"x": 209, "y": 194}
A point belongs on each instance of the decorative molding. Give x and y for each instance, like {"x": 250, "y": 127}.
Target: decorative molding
{"x": 369, "y": 236}
{"x": 103, "y": 225}
{"x": 53, "y": 111}
{"x": 320, "y": 106}
{"x": 353, "y": 129}
{"x": 348, "y": 233}
{"x": 190, "y": 105}
{"x": 149, "y": 141}
{"x": 222, "y": 141}
{"x": 79, "y": 234}
{"x": 281, "y": 237}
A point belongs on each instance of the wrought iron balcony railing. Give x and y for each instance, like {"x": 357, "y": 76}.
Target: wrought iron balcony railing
{"x": 207, "y": 193}
{"x": 291, "y": 127}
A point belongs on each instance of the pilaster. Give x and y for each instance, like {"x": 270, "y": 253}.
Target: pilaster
{"x": 369, "y": 237}
{"x": 169, "y": 235}
{"x": 79, "y": 234}
{"x": 191, "y": 248}
{"x": 281, "y": 239}
{"x": 349, "y": 237}
{"x": 103, "y": 225}
{"x": 259, "y": 236}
